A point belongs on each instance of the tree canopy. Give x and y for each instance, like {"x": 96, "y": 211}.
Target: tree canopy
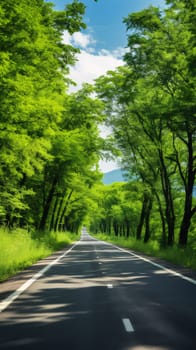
{"x": 150, "y": 104}
{"x": 50, "y": 144}
{"x": 49, "y": 138}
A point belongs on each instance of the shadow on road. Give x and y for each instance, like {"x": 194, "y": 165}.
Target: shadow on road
{"x": 71, "y": 307}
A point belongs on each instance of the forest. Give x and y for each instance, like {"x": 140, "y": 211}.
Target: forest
{"x": 50, "y": 144}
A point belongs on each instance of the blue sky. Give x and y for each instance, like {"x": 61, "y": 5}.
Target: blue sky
{"x": 102, "y": 45}
{"x": 104, "y": 19}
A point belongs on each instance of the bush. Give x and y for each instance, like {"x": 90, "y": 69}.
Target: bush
{"x": 181, "y": 256}
{"x": 20, "y": 249}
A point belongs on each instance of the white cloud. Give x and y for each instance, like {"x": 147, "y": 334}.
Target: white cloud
{"x": 78, "y": 39}
{"x": 66, "y": 38}
{"x": 119, "y": 52}
{"x": 106, "y": 166}
{"x": 90, "y": 66}
{"x": 83, "y": 40}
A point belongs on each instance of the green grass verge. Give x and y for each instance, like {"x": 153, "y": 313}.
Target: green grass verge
{"x": 20, "y": 249}
{"x": 180, "y": 256}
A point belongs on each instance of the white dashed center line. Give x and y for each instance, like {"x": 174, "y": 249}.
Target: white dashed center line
{"x": 127, "y": 324}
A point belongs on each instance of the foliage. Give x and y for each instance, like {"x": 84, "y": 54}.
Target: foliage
{"x": 19, "y": 248}
{"x": 184, "y": 257}
{"x": 116, "y": 208}
{"x": 49, "y": 138}
{"x": 49, "y": 141}
{"x": 150, "y": 103}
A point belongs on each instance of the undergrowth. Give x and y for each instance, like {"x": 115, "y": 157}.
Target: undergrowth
{"x": 185, "y": 257}
{"x": 20, "y": 249}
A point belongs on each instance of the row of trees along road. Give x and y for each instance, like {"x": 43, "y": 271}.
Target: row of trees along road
{"x": 150, "y": 103}
{"x": 49, "y": 139}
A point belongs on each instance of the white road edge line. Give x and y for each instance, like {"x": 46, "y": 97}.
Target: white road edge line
{"x": 110, "y": 286}
{"x": 7, "y": 301}
{"x": 158, "y": 265}
{"x": 127, "y": 324}
{"x": 172, "y": 272}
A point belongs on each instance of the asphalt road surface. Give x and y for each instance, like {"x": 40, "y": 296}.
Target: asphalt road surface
{"x": 99, "y": 297}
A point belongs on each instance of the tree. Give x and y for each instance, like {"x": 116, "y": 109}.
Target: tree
{"x": 150, "y": 103}
{"x": 116, "y": 209}
{"x": 163, "y": 48}
{"x": 139, "y": 133}
{"x": 33, "y": 81}
{"x": 75, "y": 151}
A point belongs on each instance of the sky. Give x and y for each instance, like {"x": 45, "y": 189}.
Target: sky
{"x": 103, "y": 44}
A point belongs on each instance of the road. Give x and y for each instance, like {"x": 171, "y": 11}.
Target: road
{"x": 99, "y": 297}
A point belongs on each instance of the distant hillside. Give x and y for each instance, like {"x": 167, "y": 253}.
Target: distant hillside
{"x": 113, "y": 176}
{"x": 118, "y": 176}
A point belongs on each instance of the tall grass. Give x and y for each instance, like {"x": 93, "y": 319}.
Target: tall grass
{"x": 20, "y": 249}
{"x": 180, "y": 256}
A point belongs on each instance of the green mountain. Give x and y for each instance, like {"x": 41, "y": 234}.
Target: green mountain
{"x": 117, "y": 175}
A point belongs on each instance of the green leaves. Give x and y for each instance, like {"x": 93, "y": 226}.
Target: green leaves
{"x": 150, "y": 105}
{"x": 44, "y": 138}
{"x": 149, "y": 19}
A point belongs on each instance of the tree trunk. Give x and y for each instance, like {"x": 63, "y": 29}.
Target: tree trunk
{"x": 142, "y": 216}
{"x": 52, "y": 221}
{"x": 47, "y": 204}
{"x": 169, "y": 211}
{"x": 163, "y": 238}
{"x": 62, "y": 211}
{"x": 115, "y": 226}
{"x": 56, "y": 223}
{"x": 109, "y": 226}
{"x": 103, "y": 226}
{"x": 189, "y": 184}
{"x": 58, "y": 219}
{"x": 127, "y": 229}
{"x": 147, "y": 221}
{"x": 8, "y": 220}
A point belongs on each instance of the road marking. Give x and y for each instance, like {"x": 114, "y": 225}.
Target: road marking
{"x": 110, "y": 285}
{"x": 172, "y": 272}
{"x": 100, "y": 263}
{"x": 127, "y": 324}
{"x": 7, "y": 301}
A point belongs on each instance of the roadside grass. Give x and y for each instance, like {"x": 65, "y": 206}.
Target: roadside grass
{"x": 20, "y": 249}
{"x": 185, "y": 257}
